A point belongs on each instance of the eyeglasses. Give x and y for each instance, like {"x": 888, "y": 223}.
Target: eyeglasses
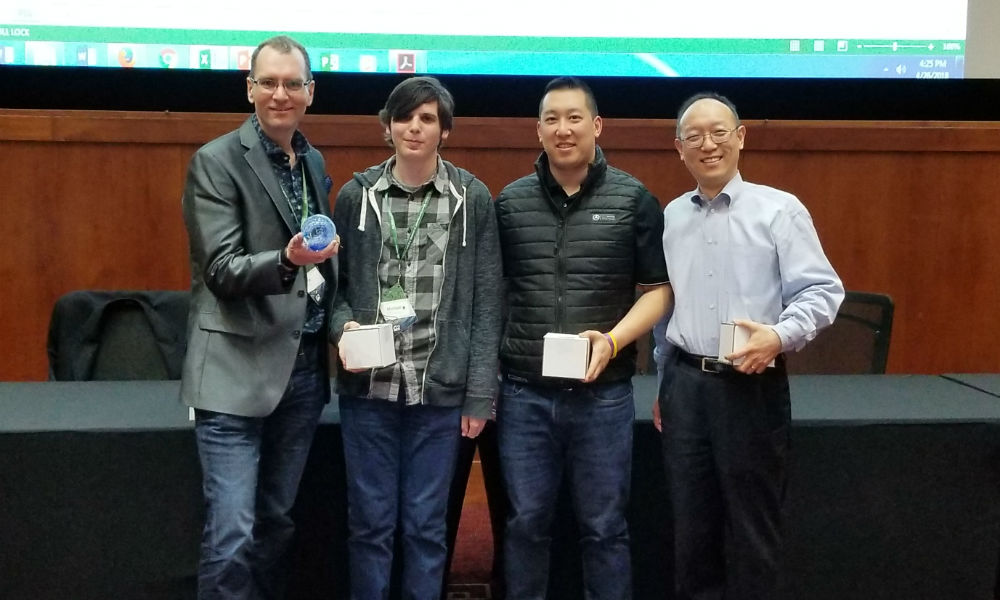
{"x": 271, "y": 84}
{"x": 719, "y": 136}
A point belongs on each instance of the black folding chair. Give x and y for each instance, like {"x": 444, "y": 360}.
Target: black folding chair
{"x": 118, "y": 335}
{"x": 856, "y": 343}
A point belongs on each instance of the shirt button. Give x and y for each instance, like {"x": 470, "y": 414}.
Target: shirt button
{"x": 296, "y": 334}
{"x": 301, "y": 293}
{"x": 711, "y": 306}
{"x": 711, "y": 273}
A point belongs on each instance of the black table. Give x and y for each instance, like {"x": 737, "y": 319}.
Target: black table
{"x": 894, "y": 493}
{"x": 100, "y": 495}
{"x": 986, "y": 382}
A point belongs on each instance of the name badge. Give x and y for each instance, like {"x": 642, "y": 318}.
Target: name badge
{"x": 398, "y": 312}
{"x": 314, "y": 283}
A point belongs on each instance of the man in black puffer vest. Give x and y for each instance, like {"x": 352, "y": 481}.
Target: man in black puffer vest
{"x": 578, "y": 237}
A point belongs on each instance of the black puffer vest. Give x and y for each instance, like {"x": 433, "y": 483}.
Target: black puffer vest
{"x": 569, "y": 268}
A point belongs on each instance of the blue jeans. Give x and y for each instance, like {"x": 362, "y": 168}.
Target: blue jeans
{"x": 251, "y": 467}
{"x": 585, "y": 433}
{"x": 400, "y": 461}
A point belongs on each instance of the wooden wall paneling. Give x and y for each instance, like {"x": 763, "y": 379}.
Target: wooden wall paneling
{"x": 92, "y": 200}
{"x": 916, "y": 225}
{"x": 84, "y": 216}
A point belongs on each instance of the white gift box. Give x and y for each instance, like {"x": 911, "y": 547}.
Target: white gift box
{"x": 565, "y": 355}
{"x": 368, "y": 346}
{"x": 732, "y": 337}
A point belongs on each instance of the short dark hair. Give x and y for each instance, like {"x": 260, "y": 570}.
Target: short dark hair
{"x": 705, "y": 96}
{"x": 284, "y": 45}
{"x": 413, "y": 92}
{"x": 570, "y": 83}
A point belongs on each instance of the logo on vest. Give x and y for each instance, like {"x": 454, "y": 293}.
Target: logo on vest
{"x": 603, "y": 218}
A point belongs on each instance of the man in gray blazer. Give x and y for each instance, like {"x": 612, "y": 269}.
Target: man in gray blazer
{"x": 256, "y": 369}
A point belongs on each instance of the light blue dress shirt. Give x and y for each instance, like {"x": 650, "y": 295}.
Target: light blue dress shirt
{"x": 750, "y": 253}
{"x": 663, "y": 352}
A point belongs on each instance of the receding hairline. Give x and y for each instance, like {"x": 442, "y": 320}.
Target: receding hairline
{"x": 282, "y": 44}
{"x": 729, "y": 109}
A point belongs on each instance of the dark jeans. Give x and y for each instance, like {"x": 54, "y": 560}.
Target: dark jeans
{"x": 726, "y": 440}
{"x": 585, "y": 434}
{"x": 400, "y": 461}
{"x": 251, "y": 467}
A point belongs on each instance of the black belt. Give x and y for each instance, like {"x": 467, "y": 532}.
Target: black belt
{"x": 710, "y": 364}
{"x": 558, "y": 384}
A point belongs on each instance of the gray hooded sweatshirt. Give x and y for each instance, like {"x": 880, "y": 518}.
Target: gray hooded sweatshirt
{"x": 462, "y": 366}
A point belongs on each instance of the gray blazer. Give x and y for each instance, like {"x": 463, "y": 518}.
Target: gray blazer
{"x": 244, "y": 324}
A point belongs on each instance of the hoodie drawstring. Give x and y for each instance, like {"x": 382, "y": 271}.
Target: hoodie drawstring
{"x": 461, "y": 202}
{"x": 368, "y": 197}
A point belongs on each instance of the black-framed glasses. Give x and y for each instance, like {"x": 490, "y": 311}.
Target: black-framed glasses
{"x": 271, "y": 84}
{"x": 719, "y": 136}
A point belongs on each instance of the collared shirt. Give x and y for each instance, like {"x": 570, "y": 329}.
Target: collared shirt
{"x": 421, "y": 276}
{"x": 751, "y": 252}
{"x": 291, "y": 182}
{"x": 556, "y": 191}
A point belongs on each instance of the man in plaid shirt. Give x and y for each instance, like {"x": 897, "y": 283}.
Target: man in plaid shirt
{"x": 419, "y": 249}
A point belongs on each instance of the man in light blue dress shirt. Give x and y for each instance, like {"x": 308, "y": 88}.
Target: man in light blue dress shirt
{"x": 748, "y": 254}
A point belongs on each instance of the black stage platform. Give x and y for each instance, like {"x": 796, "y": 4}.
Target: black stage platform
{"x": 894, "y": 493}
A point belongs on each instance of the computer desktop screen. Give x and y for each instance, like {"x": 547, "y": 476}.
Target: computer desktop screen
{"x": 490, "y": 49}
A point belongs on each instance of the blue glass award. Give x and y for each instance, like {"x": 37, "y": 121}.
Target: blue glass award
{"x": 318, "y": 231}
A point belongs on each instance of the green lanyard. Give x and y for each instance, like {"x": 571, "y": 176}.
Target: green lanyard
{"x": 305, "y": 196}
{"x": 405, "y": 252}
